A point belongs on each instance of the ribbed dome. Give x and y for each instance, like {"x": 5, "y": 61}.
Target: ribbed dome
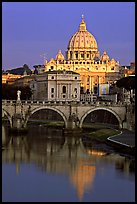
{"x": 83, "y": 39}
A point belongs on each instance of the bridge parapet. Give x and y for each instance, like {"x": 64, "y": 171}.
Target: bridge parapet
{"x": 85, "y": 103}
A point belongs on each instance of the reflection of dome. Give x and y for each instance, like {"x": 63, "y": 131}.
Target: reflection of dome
{"x": 83, "y": 178}
{"x": 59, "y": 56}
{"x": 83, "y": 39}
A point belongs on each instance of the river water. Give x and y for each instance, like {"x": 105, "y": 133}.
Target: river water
{"x": 46, "y": 166}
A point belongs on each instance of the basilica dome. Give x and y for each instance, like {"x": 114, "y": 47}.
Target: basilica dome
{"x": 82, "y": 39}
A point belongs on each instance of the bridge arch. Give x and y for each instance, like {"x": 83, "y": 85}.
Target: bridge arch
{"x": 8, "y": 116}
{"x": 49, "y": 108}
{"x": 101, "y": 108}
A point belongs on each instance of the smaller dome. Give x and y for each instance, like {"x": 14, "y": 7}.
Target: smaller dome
{"x": 104, "y": 57}
{"x": 60, "y": 56}
{"x": 113, "y": 61}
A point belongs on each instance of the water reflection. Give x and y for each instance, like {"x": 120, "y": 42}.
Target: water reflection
{"x": 52, "y": 152}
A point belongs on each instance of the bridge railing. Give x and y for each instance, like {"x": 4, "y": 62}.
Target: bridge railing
{"x": 8, "y": 102}
{"x": 82, "y": 103}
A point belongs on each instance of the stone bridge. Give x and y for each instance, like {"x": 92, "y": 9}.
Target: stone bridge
{"x": 73, "y": 113}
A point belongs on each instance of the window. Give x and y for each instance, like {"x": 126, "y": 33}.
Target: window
{"x": 87, "y": 55}
{"x": 112, "y": 68}
{"x": 70, "y": 54}
{"x": 52, "y": 95}
{"x": 76, "y": 55}
{"x": 75, "y": 77}
{"x": 82, "y": 55}
{"x": 95, "y": 90}
{"x": 52, "y": 90}
{"x": 87, "y": 62}
{"x": 83, "y": 62}
{"x": 75, "y": 90}
{"x": 63, "y": 96}
{"x": 64, "y": 89}
{"x": 76, "y": 62}
{"x": 87, "y": 91}
{"x": 52, "y": 67}
{"x": 52, "y": 77}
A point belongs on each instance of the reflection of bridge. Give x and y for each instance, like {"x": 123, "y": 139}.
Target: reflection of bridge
{"x": 72, "y": 113}
{"x": 62, "y": 155}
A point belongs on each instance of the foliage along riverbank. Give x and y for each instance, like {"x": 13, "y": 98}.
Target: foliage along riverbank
{"x": 100, "y": 133}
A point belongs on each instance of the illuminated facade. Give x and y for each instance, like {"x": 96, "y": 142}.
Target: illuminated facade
{"x": 83, "y": 57}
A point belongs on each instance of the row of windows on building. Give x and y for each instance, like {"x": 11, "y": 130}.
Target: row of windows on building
{"x": 96, "y": 68}
{"x": 52, "y": 77}
{"x": 64, "y": 91}
{"x": 82, "y": 55}
{"x": 83, "y": 62}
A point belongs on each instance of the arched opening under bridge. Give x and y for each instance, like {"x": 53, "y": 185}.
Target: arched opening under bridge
{"x": 103, "y": 117}
{"x": 47, "y": 117}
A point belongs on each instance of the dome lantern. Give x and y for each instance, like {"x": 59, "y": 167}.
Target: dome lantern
{"x": 82, "y": 26}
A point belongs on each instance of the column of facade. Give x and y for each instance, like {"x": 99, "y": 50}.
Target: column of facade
{"x": 98, "y": 80}
{"x": 69, "y": 91}
{"x": 59, "y": 91}
{"x": 78, "y": 55}
{"x": 68, "y": 55}
{"x": 85, "y": 83}
{"x": 85, "y": 55}
{"x": 90, "y": 84}
{"x": 73, "y": 55}
{"x": 90, "y": 55}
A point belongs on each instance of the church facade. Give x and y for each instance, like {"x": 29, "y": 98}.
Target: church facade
{"x": 83, "y": 57}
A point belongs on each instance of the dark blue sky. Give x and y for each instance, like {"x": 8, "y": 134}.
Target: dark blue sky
{"x": 30, "y": 29}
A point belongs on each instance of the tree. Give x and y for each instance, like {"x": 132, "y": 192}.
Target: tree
{"x": 9, "y": 92}
{"x": 126, "y": 82}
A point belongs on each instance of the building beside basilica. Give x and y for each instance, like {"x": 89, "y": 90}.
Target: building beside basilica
{"x": 56, "y": 85}
{"x": 83, "y": 57}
